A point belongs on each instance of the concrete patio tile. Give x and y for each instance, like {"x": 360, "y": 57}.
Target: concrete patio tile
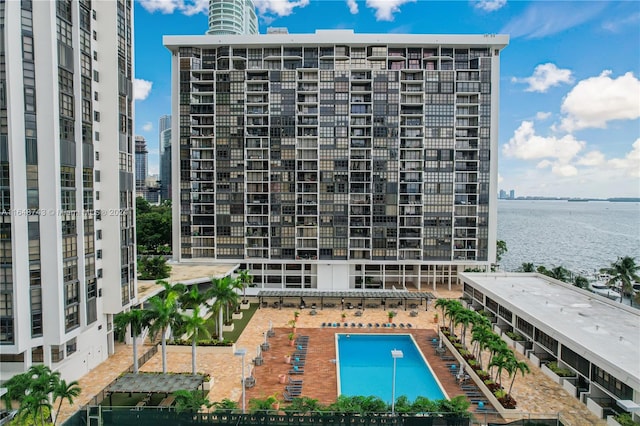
{"x": 536, "y": 393}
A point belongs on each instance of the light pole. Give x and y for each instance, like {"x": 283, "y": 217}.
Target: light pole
{"x": 395, "y": 354}
{"x": 241, "y": 353}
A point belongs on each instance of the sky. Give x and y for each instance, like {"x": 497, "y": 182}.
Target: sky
{"x": 569, "y": 85}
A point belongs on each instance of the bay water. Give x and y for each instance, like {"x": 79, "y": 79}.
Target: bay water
{"x": 581, "y": 236}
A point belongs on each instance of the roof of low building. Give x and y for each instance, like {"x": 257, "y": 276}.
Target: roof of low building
{"x": 601, "y": 330}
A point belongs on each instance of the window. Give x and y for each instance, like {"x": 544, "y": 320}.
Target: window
{"x": 72, "y": 346}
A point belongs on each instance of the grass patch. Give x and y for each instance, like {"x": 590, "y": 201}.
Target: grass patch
{"x": 239, "y": 324}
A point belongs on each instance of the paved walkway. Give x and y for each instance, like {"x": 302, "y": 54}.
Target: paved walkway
{"x": 536, "y": 393}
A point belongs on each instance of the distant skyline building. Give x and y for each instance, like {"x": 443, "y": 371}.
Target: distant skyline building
{"x": 165, "y": 157}
{"x": 502, "y": 195}
{"x": 232, "y": 17}
{"x": 67, "y": 253}
{"x": 337, "y": 160}
{"x": 141, "y": 164}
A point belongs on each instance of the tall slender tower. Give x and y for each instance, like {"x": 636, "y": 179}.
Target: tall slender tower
{"x": 232, "y": 17}
{"x": 165, "y": 157}
{"x": 141, "y": 164}
{"x": 67, "y": 248}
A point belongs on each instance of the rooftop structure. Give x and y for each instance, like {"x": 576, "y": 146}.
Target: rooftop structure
{"x": 336, "y": 160}
{"x": 597, "y": 338}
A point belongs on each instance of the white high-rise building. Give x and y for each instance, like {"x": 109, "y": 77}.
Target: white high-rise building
{"x": 337, "y": 160}
{"x": 67, "y": 246}
{"x": 232, "y": 17}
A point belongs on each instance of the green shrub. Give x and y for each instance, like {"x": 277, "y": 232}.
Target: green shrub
{"x": 626, "y": 420}
{"x": 515, "y": 336}
{"x": 562, "y": 372}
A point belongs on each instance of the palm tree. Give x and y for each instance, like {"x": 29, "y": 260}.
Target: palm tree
{"x": 581, "y": 282}
{"x": 138, "y": 320}
{"x": 35, "y": 404}
{"x": 222, "y": 290}
{"x": 513, "y": 369}
{"x": 64, "y": 390}
{"x": 246, "y": 279}
{"x": 501, "y": 249}
{"x": 190, "y": 400}
{"x": 192, "y": 298}
{"x": 500, "y": 361}
{"x": 442, "y": 304}
{"x": 527, "y": 267}
{"x": 163, "y": 313}
{"x": 195, "y": 325}
{"x": 625, "y": 271}
{"x": 479, "y": 336}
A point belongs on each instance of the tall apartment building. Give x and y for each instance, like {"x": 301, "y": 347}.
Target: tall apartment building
{"x": 141, "y": 164}
{"x": 67, "y": 253}
{"x": 232, "y": 17}
{"x": 337, "y": 160}
{"x": 165, "y": 157}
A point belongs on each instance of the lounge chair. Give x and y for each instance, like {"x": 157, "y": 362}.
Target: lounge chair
{"x": 293, "y": 388}
{"x": 295, "y": 381}
{"x": 346, "y": 324}
{"x": 360, "y": 325}
{"x": 296, "y": 370}
{"x": 324, "y": 324}
{"x": 377, "y": 324}
{"x": 369, "y": 325}
{"x": 409, "y": 325}
{"x": 401, "y": 325}
{"x": 288, "y": 397}
{"x": 353, "y": 324}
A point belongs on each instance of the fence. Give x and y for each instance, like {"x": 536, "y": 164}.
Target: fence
{"x": 149, "y": 416}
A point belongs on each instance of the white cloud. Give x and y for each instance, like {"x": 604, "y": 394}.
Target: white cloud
{"x": 187, "y": 7}
{"x": 597, "y": 100}
{"x": 544, "y": 77}
{"x": 386, "y": 8}
{"x": 615, "y": 26}
{"x": 147, "y": 127}
{"x": 141, "y": 89}
{"x": 278, "y": 7}
{"x": 564, "y": 170}
{"x": 592, "y": 158}
{"x": 353, "y": 6}
{"x": 489, "y": 5}
{"x": 500, "y": 178}
{"x": 525, "y": 144}
{"x": 542, "y": 115}
{"x": 630, "y": 164}
{"x": 542, "y": 19}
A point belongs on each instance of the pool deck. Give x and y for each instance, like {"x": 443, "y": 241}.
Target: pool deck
{"x": 536, "y": 393}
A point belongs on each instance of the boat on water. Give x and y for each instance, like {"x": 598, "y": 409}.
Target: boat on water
{"x": 600, "y": 286}
{"x": 604, "y": 290}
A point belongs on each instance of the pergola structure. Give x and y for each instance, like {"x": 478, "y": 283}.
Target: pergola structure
{"x": 151, "y": 383}
{"x": 403, "y": 297}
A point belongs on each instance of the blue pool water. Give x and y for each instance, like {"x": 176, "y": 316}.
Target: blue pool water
{"x": 366, "y": 367}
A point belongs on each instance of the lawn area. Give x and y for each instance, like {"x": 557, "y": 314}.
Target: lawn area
{"x": 239, "y": 324}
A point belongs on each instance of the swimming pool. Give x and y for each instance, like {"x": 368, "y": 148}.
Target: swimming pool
{"x": 365, "y": 367}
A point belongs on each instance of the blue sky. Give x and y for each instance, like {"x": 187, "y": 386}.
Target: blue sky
{"x": 570, "y": 89}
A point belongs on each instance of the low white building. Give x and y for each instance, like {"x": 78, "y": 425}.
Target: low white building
{"x": 596, "y": 338}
